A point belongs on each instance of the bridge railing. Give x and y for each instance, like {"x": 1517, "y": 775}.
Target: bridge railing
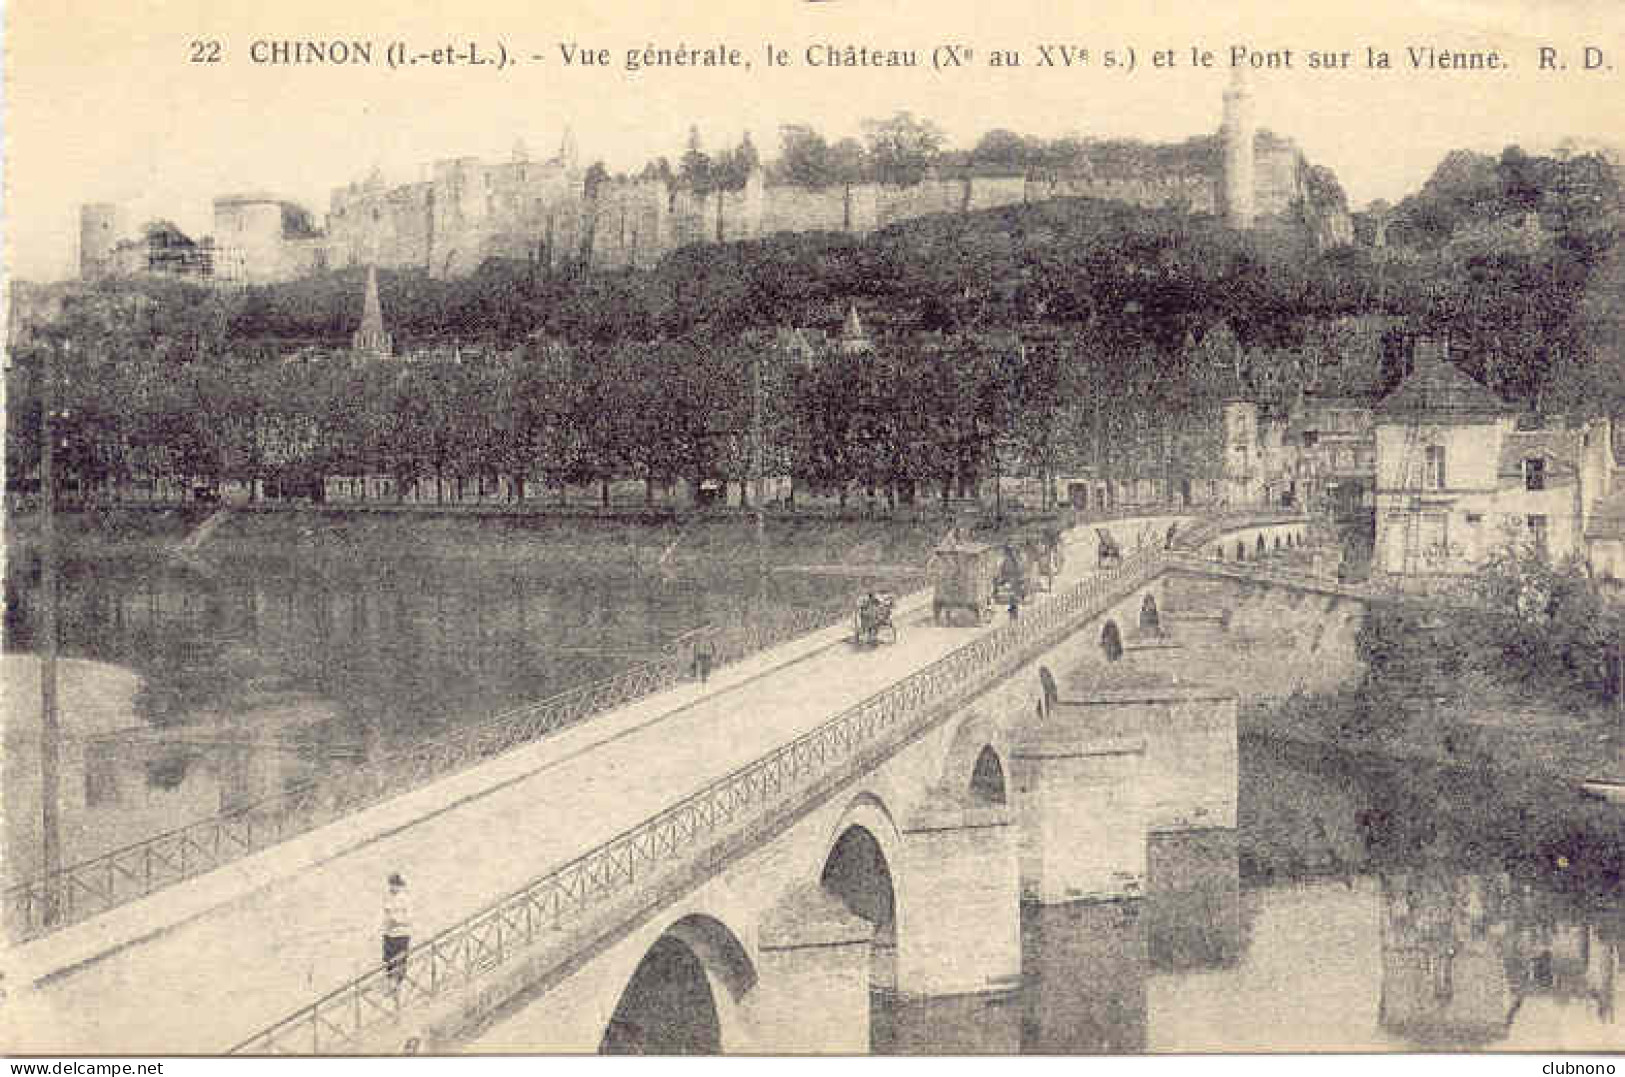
{"x": 1254, "y": 570}
{"x": 49, "y": 902}
{"x": 592, "y": 885}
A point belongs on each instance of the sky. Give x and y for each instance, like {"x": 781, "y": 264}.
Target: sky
{"x": 102, "y": 103}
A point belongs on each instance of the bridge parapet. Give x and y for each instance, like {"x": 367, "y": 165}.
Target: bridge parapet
{"x": 542, "y": 925}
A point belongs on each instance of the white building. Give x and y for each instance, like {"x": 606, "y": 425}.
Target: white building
{"x": 1457, "y": 478}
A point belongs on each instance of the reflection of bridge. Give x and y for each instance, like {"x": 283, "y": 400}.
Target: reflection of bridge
{"x": 768, "y": 837}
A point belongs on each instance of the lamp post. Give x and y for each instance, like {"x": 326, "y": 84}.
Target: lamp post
{"x": 50, "y": 730}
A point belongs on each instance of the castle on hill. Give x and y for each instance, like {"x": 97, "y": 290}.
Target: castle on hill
{"x": 545, "y": 211}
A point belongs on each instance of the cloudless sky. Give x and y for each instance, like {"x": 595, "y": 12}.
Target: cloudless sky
{"x": 103, "y": 105}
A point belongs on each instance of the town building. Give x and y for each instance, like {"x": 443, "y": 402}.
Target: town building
{"x": 1459, "y": 476}
{"x": 1336, "y": 439}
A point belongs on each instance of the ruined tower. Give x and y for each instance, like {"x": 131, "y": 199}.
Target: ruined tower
{"x": 370, "y": 341}
{"x": 1237, "y": 135}
{"x": 101, "y": 227}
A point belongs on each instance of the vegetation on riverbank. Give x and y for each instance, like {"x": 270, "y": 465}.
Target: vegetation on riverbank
{"x": 1470, "y": 729}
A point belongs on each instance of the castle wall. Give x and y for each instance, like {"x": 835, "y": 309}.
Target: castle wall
{"x": 894, "y": 204}
{"x": 994, "y": 192}
{"x": 1277, "y": 180}
{"x": 805, "y": 209}
{"x": 392, "y": 228}
{"x": 630, "y": 224}
{"x": 469, "y": 211}
{"x": 249, "y": 246}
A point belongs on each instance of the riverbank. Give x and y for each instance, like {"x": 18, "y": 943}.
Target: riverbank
{"x": 647, "y": 542}
{"x": 1494, "y": 789}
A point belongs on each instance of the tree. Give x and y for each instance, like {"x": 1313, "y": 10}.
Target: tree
{"x": 595, "y": 178}
{"x": 902, "y": 148}
{"x": 848, "y": 161}
{"x": 804, "y": 157}
{"x": 695, "y": 167}
{"x": 1002, "y": 151}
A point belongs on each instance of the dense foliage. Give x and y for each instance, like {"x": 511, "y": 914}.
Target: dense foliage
{"x": 1518, "y": 623}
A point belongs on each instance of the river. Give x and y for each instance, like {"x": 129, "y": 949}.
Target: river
{"x": 1342, "y": 914}
{"x": 256, "y": 672}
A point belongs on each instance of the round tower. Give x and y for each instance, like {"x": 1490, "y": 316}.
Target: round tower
{"x": 1237, "y": 135}
{"x": 101, "y": 226}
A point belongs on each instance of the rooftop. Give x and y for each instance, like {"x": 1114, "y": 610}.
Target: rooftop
{"x": 1438, "y": 389}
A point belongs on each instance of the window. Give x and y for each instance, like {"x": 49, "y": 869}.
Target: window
{"x": 1534, "y": 473}
{"x": 1475, "y": 518}
{"x": 1433, "y": 478}
{"x": 1434, "y": 536}
{"x": 1310, "y": 437}
{"x": 1537, "y": 534}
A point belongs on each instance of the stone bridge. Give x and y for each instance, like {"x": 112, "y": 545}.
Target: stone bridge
{"x": 730, "y": 867}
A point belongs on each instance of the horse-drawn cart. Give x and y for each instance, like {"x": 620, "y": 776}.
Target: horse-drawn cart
{"x": 965, "y": 576}
{"x": 1110, "y": 553}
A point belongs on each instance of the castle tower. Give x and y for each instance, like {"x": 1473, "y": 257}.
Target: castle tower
{"x": 101, "y": 227}
{"x": 1237, "y": 135}
{"x": 370, "y": 341}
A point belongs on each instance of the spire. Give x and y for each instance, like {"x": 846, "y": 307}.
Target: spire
{"x": 370, "y": 341}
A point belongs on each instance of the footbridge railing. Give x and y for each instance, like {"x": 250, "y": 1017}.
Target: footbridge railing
{"x": 551, "y": 914}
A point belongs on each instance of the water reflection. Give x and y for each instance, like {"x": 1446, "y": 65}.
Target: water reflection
{"x": 1434, "y": 958}
{"x": 1463, "y": 953}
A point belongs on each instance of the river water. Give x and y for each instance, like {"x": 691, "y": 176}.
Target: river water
{"x": 252, "y": 673}
{"x": 1322, "y": 923}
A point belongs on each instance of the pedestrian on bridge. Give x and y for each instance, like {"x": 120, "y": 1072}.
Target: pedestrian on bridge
{"x": 704, "y": 655}
{"x": 397, "y": 928}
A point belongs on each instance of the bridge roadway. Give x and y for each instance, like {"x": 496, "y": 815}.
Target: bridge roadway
{"x": 207, "y": 963}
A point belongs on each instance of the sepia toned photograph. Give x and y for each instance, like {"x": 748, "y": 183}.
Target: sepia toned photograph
{"x": 813, "y": 527}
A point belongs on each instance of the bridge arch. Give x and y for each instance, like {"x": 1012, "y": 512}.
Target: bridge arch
{"x": 974, "y": 770}
{"x": 860, "y": 866}
{"x": 987, "y": 784}
{"x": 683, "y": 997}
